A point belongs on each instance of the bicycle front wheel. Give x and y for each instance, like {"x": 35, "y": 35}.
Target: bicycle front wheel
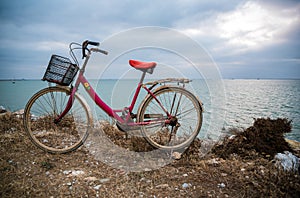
{"x": 66, "y": 135}
{"x": 178, "y": 129}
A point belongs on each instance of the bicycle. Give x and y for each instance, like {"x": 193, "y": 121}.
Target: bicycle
{"x": 58, "y": 119}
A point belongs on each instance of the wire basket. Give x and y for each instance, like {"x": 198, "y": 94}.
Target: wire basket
{"x": 60, "y": 70}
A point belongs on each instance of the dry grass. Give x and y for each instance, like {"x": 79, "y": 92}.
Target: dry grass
{"x": 26, "y": 171}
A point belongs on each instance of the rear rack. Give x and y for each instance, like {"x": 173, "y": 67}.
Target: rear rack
{"x": 182, "y": 81}
{"x": 169, "y": 80}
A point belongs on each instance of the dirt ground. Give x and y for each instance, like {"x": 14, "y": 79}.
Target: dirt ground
{"x": 236, "y": 167}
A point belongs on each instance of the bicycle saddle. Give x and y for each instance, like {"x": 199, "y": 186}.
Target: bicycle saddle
{"x": 143, "y": 66}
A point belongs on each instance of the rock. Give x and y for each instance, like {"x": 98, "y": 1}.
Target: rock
{"x": 90, "y": 179}
{"x": 213, "y": 161}
{"x": 186, "y": 185}
{"x": 76, "y": 173}
{"x": 221, "y": 185}
{"x": 67, "y": 172}
{"x": 294, "y": 144}
{"x": 19, "y": 114}
{"x": 162, "y": 186}
{"x": 2, "y": 109}
{"x": 73, "y": 173}
{"x": 224, "y": 174}
{"x": 287, "y": 161}
{"x": 104, "y": 180}
{"x": 97, "y": 187}
{"x": 176, "y": 155}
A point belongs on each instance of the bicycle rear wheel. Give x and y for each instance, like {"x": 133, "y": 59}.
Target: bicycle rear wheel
{"x": 66, "y": 135}
{"x": 185, "y": 124}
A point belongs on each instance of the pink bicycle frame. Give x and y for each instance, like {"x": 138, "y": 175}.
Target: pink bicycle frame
{"x": 112, "y": 113}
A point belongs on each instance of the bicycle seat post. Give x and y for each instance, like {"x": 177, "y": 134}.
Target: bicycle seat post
{"x": 143, "y": 77}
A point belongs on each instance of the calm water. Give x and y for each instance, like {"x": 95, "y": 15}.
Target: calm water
{"x": 234, "y": 106}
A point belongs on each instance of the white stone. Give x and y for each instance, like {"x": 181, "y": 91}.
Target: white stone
{"x": 97, "y": 187}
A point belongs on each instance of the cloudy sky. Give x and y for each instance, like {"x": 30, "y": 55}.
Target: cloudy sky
{"x": 246, "y": 39}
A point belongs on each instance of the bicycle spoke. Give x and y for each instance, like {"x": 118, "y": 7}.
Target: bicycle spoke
{"x": 178, "y": 104}
{"x": 182, "y": 127}
{"x": 173, "y": 102}
{"x": 61, "y": 137}
{"x": 185, "y": 112}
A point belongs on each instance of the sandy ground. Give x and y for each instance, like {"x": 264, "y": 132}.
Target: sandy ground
{"x": 26, "y": 171}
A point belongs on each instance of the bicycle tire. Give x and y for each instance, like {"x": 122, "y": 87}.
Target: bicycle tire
{"x": 188, "y": 113}
{"x": 67, "y": 135}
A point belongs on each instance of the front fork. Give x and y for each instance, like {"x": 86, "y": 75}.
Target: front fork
{"x": 68, "y": 106}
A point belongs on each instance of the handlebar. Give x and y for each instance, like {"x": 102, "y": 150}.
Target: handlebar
{"x": 85, "y": 45}
{"x": 99, "y": 50}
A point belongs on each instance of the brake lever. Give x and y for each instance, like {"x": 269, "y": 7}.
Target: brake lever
{"x": 84, "y": 46}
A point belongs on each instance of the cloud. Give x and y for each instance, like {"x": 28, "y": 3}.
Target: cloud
{"x": 232, "y": 31}
{"x": 250, "y": 26}
{"x": 253, "y": 26}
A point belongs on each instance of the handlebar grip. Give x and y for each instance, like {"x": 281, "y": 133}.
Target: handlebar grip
{"x": 93, "y": 43}
{"x": 103, "y": 52}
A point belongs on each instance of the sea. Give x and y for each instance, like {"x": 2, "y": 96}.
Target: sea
{"x": 228, "y": 104}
